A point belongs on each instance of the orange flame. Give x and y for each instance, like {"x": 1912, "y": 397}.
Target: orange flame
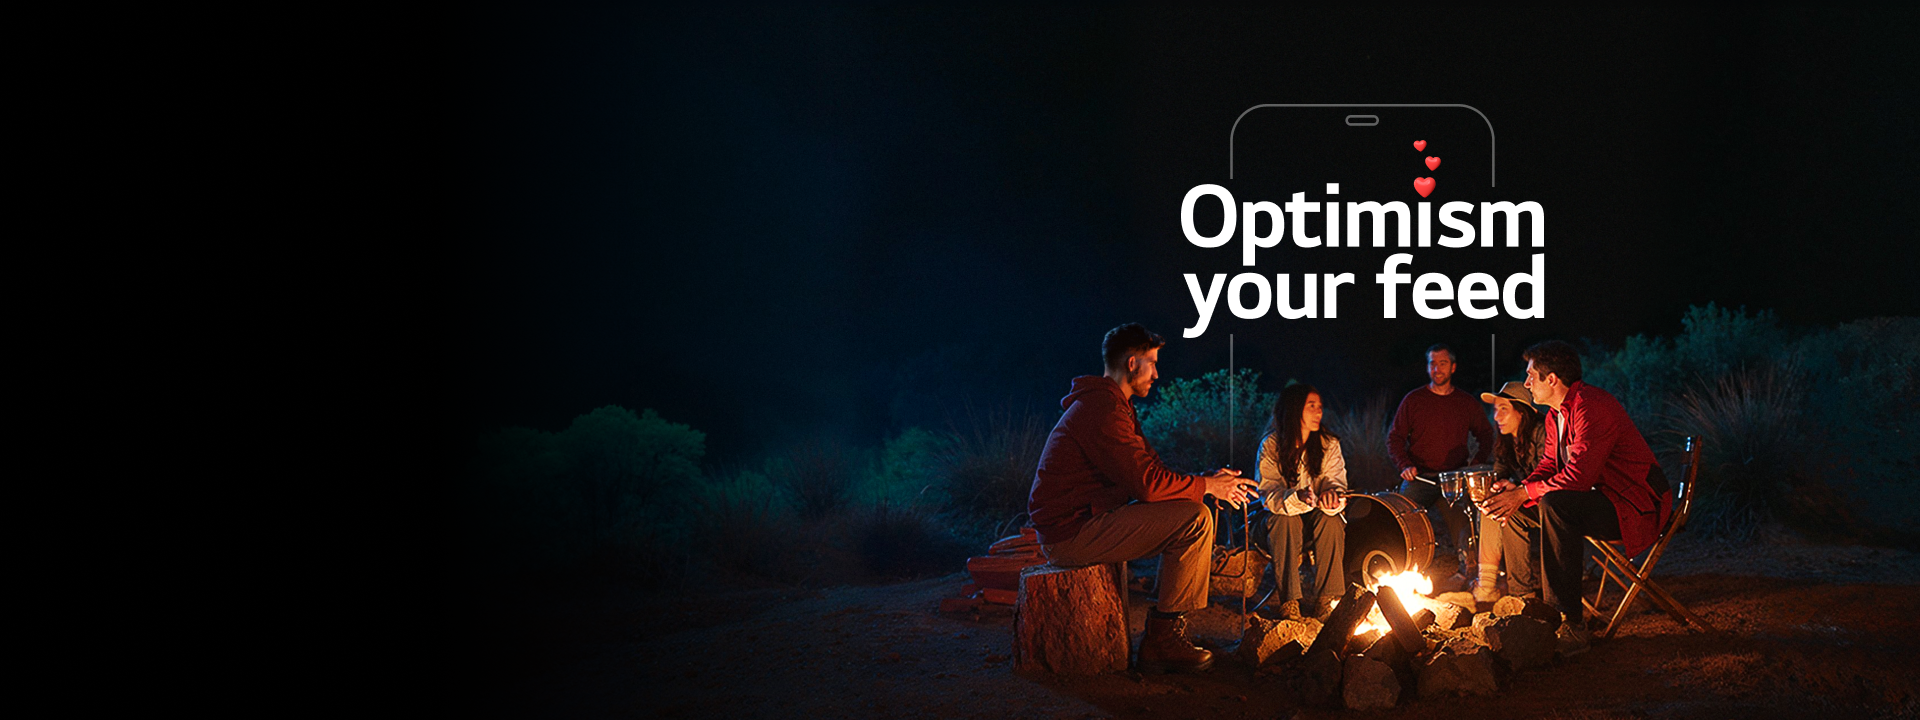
{"x": 1411, "y": 587}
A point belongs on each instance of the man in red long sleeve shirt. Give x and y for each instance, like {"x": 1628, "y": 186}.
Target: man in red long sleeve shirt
{"x": 1596, "y": 478}
{"x": 1102, "y": 495}
{"x": 1430, "y": 431}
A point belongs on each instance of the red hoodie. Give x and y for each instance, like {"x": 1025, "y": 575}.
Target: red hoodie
{"x": 1096, "y": 460}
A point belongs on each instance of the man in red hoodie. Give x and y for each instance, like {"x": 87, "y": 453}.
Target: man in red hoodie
{"x": 1102, "y": 495}
{"x": 1596, "y": 478}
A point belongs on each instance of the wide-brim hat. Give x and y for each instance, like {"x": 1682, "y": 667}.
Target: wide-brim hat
{"x": 1510, "y": 391}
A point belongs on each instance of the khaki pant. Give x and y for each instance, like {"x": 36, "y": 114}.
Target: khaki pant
{"x": 1179, "y": 531}
{"x": 1289, "y": 535}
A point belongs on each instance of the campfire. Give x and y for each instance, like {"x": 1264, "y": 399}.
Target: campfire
{"x": 1389, "y": 642}
{"x": 1413, "y": 590}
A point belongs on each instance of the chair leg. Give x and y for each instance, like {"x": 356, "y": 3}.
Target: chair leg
{"x": 1659, "y": 595}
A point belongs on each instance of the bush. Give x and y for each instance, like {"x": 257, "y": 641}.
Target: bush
{"x": 820, "y": 476}
{"x": 986, "y": 469}
{"x": 1751, "y": 454}
{"x": 1363, "y": 443}
{"x": 1816, "y": 430}
{"x": 743, "y": 522}
{"x": 594, "y": 490}
{"x": 904, "y": 541}
{"x": 1198, "y": 425}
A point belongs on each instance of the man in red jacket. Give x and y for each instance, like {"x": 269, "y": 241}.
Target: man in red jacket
{"x": 1596, "y": 478}
{"x": 1102, "y": 495}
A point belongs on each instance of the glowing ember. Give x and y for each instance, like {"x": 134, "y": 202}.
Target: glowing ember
{"x": 1410, "y": 587}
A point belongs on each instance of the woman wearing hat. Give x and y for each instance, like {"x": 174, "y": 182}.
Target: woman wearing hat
{"x": 1516, "y": 452}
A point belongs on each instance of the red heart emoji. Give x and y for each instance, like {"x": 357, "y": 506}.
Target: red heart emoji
{"x": 1420, "y": 145}
{"x": 1424, "y": 186}
{"x": 1433, "y": 163}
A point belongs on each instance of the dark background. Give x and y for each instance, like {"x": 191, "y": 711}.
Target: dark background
{"x": 774, "y": 224}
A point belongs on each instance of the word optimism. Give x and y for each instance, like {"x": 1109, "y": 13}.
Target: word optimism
{"x": 1470, "y": 293}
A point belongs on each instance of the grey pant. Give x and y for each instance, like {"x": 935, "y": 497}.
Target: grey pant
{"x": 1179, "y": 531}
{"x": 1289, "y": 535}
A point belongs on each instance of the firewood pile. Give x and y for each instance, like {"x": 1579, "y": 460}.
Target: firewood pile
{"x": 995, "y": 576}
{"x": 1442, "y": 649}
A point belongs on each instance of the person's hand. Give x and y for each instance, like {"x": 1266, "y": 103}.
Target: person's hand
{"x": 1408, "y": 474}
{"x": 1227, "y": 485}
{"x": 1505, "y": 502}
{"x": 1332, "y": 500}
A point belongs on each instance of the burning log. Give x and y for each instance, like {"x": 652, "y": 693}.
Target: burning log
{"x": 1339, "y": 624}
{"x": 1071, "y": 621}
{"x": 1319, "y": 679}
{"x": 1397, "y": 618}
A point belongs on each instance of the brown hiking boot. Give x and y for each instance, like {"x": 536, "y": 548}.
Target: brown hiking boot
{"x": 1164, "y": 648}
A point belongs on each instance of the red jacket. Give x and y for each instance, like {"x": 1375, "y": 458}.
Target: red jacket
{"x": 1604, "y": 451}
{"x": 1096, "y": 460}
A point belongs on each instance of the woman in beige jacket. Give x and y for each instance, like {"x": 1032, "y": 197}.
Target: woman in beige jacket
{"x": 1303, "y": 481}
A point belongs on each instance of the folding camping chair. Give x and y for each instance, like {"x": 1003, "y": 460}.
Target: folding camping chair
{"x": 1616, "y": 567}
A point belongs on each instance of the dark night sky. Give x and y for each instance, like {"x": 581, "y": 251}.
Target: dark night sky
{"x": 778, "y": 223}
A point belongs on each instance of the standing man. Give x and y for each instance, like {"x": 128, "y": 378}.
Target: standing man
{"x": 1102, "y": 495}
{"x": 1596, "y": 478}
{"x": 1430, "y": 431}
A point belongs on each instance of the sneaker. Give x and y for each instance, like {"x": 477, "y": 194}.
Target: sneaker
{"x": 1571, "y": 640}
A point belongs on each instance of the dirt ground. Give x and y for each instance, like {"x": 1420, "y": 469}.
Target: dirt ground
{"x": 1805, "y": 630}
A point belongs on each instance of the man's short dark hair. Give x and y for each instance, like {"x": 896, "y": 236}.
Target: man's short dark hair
{"x": 1441, "y": 347}
{"x": 1126, "y": 340}
{"x": 1556, "y": 357}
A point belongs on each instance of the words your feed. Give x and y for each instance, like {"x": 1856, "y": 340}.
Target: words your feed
{"x": 1250, "y": 295}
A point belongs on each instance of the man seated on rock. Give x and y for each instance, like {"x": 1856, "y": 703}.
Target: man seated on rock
{"x": 1102, "y": 495}
{"x": 1596, "y": 478}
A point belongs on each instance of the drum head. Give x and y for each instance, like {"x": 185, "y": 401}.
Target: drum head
{"x": 1386, "y": 534}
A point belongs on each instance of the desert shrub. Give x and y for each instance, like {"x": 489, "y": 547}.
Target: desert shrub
{"x": 821, "y": 476}
{"x": 1754, "y": 455}
{"x": 591, "y": 491}
{"x": 1363, "y": 442}
{"x": 986, "y": 465}
{"x": 1648, "y": 372}
{"x": 1204, "y": 423}
{"x": 1814, "y": 430}
{"x": 1865, "y": 376}
{"x": 743, "y": 522}
{"x": 910, "y": 540}
{"x": 908, "y": 470}
{"x": 617, "y": 462}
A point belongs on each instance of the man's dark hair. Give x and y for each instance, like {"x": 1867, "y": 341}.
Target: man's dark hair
{"x": 1126, "y": 340}
{"x": 1554, "y": 356}
{"x": 1441, "y": 347}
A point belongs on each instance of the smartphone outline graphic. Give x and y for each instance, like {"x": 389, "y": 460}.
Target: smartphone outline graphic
{"x": 1493, "y": 176}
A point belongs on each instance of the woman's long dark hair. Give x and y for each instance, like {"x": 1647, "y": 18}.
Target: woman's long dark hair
{"x": 1284, "y": 426}
{"x": 1525, "y": 445}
